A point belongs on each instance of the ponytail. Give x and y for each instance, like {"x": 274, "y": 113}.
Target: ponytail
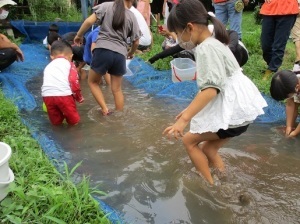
{"x": 193, "y": 11}
{"x": 119, "y": 14}
{"x": 220, "y": 30}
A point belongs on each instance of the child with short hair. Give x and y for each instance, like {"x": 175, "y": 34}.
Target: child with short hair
{"x": 52, "y": 35}
{"x": 285, "y": 84}
{"x": 227, "y": 101}
{"x": 61, "y": 86}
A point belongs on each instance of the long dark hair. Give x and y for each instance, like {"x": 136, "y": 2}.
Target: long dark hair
{"x": 193, "y": 11}
{"x": 283, "y": 83}
{"x": 119, "y": 14}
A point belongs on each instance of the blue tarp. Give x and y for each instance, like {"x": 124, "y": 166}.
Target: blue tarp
{"x": 37, "y": 31}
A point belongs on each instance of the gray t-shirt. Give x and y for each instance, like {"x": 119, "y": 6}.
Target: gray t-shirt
{"x": 115, "y": 40}
{"x": 215, "y": 63}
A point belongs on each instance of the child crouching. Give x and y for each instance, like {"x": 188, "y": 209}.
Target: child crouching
{"x": 61, "y": 86}
{"x": 286, "y": 85}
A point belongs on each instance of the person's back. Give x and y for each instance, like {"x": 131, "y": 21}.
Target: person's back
{"x": 111, "y": 38}
{"x": 212, "y": 47}
{"x": 146, "y": 37}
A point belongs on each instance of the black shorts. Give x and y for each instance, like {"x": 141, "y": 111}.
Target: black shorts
{"x": 7, "y": 57}
{"x": 232, "y": 132}
{"x": 105, "y": 60}
{"x": 157, "y": 6}
{"x": 143, "y": 47}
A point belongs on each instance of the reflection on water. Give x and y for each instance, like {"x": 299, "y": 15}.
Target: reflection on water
{"x": 151, "y": 179}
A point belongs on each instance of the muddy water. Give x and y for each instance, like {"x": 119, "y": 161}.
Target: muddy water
{"x": 150, "y": 179}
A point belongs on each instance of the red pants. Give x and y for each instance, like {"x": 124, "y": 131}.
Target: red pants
{"x": 60, "y": 108}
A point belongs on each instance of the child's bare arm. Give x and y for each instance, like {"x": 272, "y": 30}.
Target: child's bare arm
{"x": 88, "y": 22}
{"x": 290, "y": 122}
{"x": 295, "y": 132}
{"x": 134, "y": 46}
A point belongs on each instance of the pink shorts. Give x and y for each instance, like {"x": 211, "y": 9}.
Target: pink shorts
{"x": 145, "y": 9}
{"x": 60, "y": 108}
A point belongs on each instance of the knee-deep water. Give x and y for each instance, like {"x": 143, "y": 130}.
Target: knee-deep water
{"x": 150, "y": 179}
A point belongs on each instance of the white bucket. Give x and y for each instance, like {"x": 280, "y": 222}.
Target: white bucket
{"x": 183, "y": 69}
{"x": 5, "y": 184}
{"x": 128, "y": 71}
{"x": 5, "y": 153}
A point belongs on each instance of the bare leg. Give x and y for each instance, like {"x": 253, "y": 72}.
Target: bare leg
{"x": 210, "y": 149}
{"x": 116, "y": 88}
{"x": 107, "y": 79}
{"x": 196, "y": 154}
{"x": 297, "y": 45}
{"x": 93, "y": 81}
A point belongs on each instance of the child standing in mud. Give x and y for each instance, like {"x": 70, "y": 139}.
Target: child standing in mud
{"x": 61, "y": 86}
{"x": 227, "y": 101}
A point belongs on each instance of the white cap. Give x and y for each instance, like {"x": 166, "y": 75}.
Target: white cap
{"x": 6, "y": 2}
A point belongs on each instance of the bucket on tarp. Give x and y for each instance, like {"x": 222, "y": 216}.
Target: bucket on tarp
{"x": 183, "y": 69}
{"x": 5, "y": 153}
{"x": 128, "y": 71}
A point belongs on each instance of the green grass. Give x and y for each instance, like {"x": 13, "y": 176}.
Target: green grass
{"x": 251, "y": 38}
{"x": 41, "y": 194}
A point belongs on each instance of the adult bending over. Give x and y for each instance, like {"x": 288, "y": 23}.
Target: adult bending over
{"x": 117, "y": 24}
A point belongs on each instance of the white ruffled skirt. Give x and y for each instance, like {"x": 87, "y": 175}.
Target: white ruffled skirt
{"x": 239, "y": 104}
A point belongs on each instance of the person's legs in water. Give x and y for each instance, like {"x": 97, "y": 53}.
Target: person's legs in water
{"x": 210, "y": 149}
{"x": 93, "y": 81}
{"x": 197, "y": 155}
{"x": 107, "y": 79}
{"x": 116, "y": 88}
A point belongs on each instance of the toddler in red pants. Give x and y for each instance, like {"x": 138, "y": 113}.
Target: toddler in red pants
{"x": 61, "y": 86}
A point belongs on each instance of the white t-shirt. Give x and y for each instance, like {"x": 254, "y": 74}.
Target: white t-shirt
{"x": 145, "y": 39}
{"x": 56, "y": 78}
{"x": 45, "y": 41}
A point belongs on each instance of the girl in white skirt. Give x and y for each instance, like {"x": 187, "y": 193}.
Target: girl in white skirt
{"x": 227, "y": 101}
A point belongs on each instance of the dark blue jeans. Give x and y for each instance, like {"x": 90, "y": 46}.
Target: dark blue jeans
{"x": 274, "y": 36}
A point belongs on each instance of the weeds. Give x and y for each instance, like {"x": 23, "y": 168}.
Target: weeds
{"x": 40, "y": 194}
